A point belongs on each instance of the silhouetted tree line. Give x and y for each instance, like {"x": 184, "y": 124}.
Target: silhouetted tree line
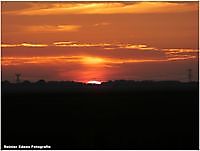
{"x": 121, "y": 85}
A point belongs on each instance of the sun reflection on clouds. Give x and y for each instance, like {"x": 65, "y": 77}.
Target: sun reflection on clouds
{"x": 92, "y": 60}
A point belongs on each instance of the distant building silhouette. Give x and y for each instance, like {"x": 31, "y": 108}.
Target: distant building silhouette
{"x": 17, "y": 77}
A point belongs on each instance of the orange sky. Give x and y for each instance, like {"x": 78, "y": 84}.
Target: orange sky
{"x": 100, "y": 41}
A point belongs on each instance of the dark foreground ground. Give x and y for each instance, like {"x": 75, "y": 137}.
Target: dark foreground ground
{"x": 114, "y": 115}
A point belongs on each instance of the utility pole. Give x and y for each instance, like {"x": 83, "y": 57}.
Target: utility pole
{"x": 18, "y": 77}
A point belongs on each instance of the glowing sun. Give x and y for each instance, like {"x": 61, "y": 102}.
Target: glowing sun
{"x": 93, "y": 82}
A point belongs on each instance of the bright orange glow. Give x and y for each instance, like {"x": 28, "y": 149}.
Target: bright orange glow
{"x": 94, "y": 82}
{"x": 92, "y": 60}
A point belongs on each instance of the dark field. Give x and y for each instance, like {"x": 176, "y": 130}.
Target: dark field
{"x": 114, "y": 115}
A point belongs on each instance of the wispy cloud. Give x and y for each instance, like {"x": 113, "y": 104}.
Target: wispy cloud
{"x": 142, "y": 50}
{"x": 79, "y": 44}
{"x": 53, "y": 28}
{"x": 85, "y": 60}
{"x": 23, "y": 45}
{"x": 102, "y": 24}
{"x": 179, "y": 51}
{"x": 38, "y": 60}
{"x": 178, "y": 54}
{"x": 106, "y": 46}
{"x": 138, "y": 46}
{"x": 56, "y": 8}
{"x": 9, "y": 45}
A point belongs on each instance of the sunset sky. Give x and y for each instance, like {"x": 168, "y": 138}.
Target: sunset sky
{"x": 100, "y": 41}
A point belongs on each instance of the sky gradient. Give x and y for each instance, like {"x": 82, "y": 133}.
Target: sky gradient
{"x": 84, "y": 41}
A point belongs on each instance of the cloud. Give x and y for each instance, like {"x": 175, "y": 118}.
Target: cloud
{"x": 180, "y": 54}
{"x": 102, "y": 24}
{"x": 58, "y": 8}
{"x": 33, "y": 45}
{"x": 23, "y": 45}
{"x": 127, "y": 52}
{"x": 106, "y": 46}
{"x": 64, "y": 43}
{"x": 79, "y": 44}
{"x": 53, "y": 28}
{"x": 179, "y": 51}
{"x": 9, "y": 45}
{"x": 139, "y": 46}
{"x": 84, "y": 59}
{"x": 38, "y": 60}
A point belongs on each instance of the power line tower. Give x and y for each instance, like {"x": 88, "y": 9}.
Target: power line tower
{"x": 18, "y": 77}
{"x": 189, "y": 75}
